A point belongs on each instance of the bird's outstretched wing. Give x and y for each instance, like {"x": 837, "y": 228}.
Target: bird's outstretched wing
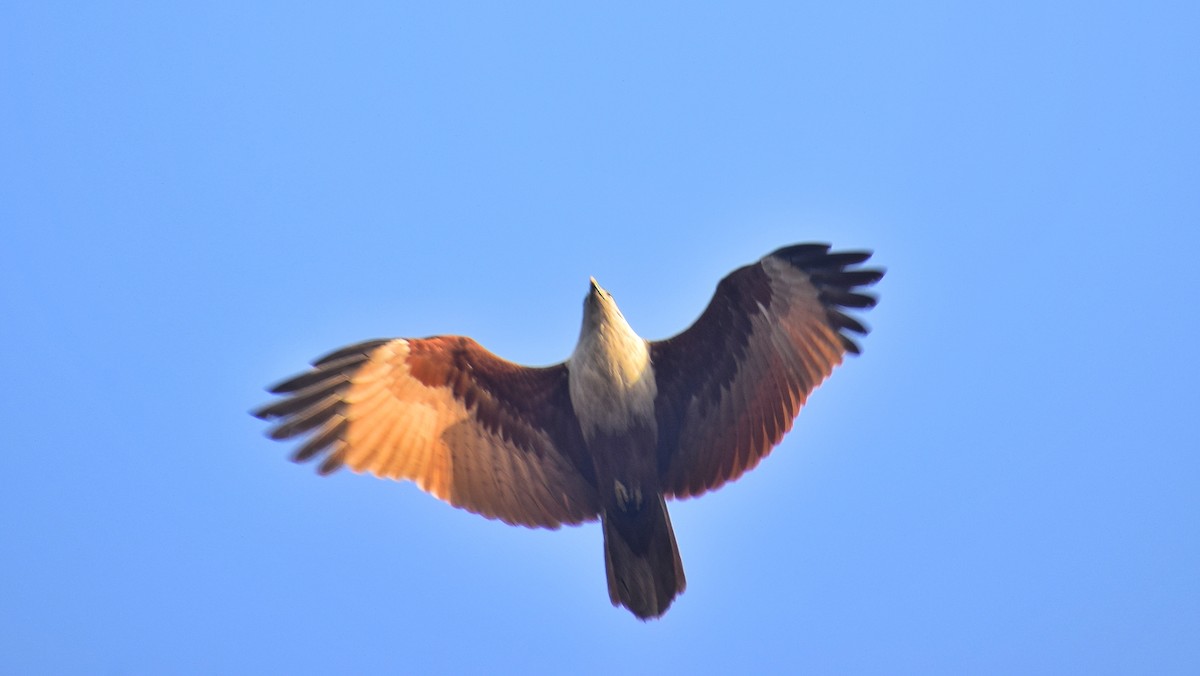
{"x": 730, "y": 386}
{"x": 479, "y": 432}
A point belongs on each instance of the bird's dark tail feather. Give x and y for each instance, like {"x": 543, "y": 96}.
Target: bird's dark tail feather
{"x": 645, "y": 573}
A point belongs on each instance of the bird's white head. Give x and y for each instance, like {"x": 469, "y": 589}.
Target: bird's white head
{"x": 599, "y": 307}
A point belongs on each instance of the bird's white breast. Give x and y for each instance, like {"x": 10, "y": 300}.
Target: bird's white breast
{"x": 611, "y": 379}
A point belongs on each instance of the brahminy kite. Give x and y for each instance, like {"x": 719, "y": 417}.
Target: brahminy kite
{"x": 611, "y": 432}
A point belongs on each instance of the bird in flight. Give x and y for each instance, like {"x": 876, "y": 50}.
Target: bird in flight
{"x": 621, "y": 425}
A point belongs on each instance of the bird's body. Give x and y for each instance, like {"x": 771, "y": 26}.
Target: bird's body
{"x": 609, "y": 433}
{"x": 612, "y": 386}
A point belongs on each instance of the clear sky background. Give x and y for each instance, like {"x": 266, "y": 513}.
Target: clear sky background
{"x": 196, "y": 199}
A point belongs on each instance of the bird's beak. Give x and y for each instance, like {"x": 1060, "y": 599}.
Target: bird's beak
{"x": 595, "y": 287}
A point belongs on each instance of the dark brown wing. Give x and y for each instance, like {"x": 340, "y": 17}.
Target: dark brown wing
{"x": 479, "y": 432}
{"x": 730, "y": 386}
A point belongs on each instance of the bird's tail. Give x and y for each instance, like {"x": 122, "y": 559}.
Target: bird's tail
{"x": 645, "y": 573}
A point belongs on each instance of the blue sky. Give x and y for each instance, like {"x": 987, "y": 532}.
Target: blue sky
{"x": 198, "y": 198}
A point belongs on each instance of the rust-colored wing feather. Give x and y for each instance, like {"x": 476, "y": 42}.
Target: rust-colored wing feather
{"x": 730, "y": 386}
{"x": 479, "y": 432}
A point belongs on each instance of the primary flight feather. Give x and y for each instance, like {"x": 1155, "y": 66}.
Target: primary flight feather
{"x": 611, "y": 432}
